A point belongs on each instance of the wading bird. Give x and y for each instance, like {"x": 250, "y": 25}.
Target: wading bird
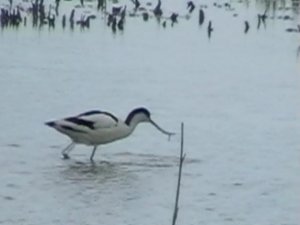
{"x": 94, "y": 128}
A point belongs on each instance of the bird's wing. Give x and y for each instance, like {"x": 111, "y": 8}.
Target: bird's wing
{"x": 85, "y": 122}
{"x": 99, "y": 119}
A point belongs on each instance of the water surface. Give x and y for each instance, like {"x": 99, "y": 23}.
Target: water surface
{"x": 238, "y": 95}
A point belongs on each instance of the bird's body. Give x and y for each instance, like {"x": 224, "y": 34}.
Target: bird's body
{"x": 95, "y": 128}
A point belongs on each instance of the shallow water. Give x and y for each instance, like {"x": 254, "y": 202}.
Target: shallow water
{"x": 238, "y": 95}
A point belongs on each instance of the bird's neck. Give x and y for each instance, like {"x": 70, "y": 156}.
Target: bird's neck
{"x": 132, "y": 122}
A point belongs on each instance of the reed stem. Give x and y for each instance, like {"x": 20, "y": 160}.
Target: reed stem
{"x": 182, "y": 157}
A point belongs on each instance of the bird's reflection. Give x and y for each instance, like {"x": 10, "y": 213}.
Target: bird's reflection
{"x": 118, "y": 168}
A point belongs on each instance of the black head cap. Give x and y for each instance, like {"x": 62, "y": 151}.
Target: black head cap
{"x": 141, "y": 110}
{"x": 137, "y": 111}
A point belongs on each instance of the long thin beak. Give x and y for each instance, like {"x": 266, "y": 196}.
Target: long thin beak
{"x": 160, "y": 129}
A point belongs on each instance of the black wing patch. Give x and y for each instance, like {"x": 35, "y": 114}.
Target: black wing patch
{"x": 81, "y": 122}
{"x": 112, "y": 116}
{"x": 93, "y": 112}
{"x": 71, "y": 129}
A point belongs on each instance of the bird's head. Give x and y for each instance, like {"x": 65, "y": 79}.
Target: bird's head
{"x": 143, "y": 115}
{"x": 139, "y": 114}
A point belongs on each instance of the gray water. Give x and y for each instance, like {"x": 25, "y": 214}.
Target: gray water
{"x": 237, "y": 94}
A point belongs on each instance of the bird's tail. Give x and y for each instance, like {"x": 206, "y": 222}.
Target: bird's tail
{"x": 50, "y": 123}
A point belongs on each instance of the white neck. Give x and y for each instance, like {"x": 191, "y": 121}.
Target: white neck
{"x": 135, "y": 121}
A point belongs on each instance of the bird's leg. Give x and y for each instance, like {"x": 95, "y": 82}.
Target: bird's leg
{"x": 93, "y": 153}
{"x": 65, "y": 151}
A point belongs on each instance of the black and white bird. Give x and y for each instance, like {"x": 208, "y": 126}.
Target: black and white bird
{"x": 94, "y": 128}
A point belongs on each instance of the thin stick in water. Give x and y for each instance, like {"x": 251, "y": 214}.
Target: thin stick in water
{"x": 182, "y": 157}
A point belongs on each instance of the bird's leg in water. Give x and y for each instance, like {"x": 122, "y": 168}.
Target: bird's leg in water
{"x": 93, "y": 153}
{"x": 65, "y": 151}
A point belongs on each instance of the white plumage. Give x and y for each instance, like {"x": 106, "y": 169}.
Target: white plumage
{"x": 94, "y": 128}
